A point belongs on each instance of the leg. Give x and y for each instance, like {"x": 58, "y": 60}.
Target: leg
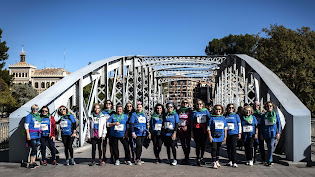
{"x": 34, "y": 150}
{"x": 159, "y": 145}
{"x": 262, "y": 150}
{"x": 173, "y": 146}
{"x": 115, "y": 148}
{"x": 270, "y": 145}
{"x": 65, "y": 144}
{"x": 214, "y": 151}
{"x": 43, "y": 147}
{"x": 104, "y": 148}
{"x": 233, "y": 148}
{"x": 139, "y": 143}
{"x": 203, "y": 144}
{"x": 126, "y": 148}
{"x": 94, "y": 141}
{"x": 70, "y": 147}
{"x": 99, "y": 147}
{"x": 218, "y": 151}
{"x": 167, "y": 143}
{"x": 52, "y": 148}
{"x": 197, "y": 139}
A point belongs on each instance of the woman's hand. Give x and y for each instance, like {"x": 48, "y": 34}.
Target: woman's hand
{"x": 277, "y": 136}
{"x": 53, "y": 138}
{"x": 239, "y": 136}
{"x": 174, "y": 136}
{"x": 117, "y": 123}
{"x": 224, "y": 139}
{"x": 73, "y": 135}
{"x": 210, "y": 139}
{"x": 256, "y": 136}
{"x": 134, "y": 136}
{"x": 149, "y": 136}
{"x": 185, "y": 128}
{"x": 28, "y": 137}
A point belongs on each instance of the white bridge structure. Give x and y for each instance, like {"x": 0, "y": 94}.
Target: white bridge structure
{"x": 239, "y": 79}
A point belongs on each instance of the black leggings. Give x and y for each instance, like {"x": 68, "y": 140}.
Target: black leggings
{"x": 249, "y": 143}
{"x": 139, "y": 143}
{"x": 97, "y": 141}
{"x": 216, "y": 147}
{"x": 169, "y": 143}
{"x": 157, "y": 145}
{"x": 261, "y": 144}
{"x": 107, "y": 139}
{"x": 34, "y": 143}
{"x": 185, "y": 138}
{"x": 200, "y": 140}
{"x": 231, "y": 141}
{"x": 67, "y": 141}
{"x": 132, "y": 145}
{"x": 43, "y": 146}
{"x": 116, "y": 150}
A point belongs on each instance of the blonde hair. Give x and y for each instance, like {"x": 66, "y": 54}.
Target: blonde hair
{"x": 248, "y": 107}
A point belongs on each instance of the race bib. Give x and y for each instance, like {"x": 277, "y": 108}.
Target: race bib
{"x": 157, "y": 127}
{"x": 43, "y": 127}
{"x": 168, "y": 125}
{"x": 219, "y": 125}
{"x": 247, "y": 128}
{"x": 183, "y": 116}
{"x": 267, "y": 122}
{"x": 107, "y": 117}
{"x": 95, "y": 122}
{"x": 119, "y": 127}
{"x": 182, "y": 122}
{"x": 64, "y": 124}
{"x": 230, "y": 126}
{"x": 201, "y": 120}
{"x": 36, "y": 124}
{"x": 141, "y": 119}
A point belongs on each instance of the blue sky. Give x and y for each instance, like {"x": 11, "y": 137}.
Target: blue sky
{"x": 94, "y": 30}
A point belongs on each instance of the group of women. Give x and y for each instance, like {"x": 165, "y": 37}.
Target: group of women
{"x": 132, "y": 127}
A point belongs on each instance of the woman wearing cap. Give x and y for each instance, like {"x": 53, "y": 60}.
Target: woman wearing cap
{"x": 249, "y": 133}
{"x": 129, "y": 109}
{"x": 233, "y": 134}
{"x": 48, "y": 134}
{"x": 155, "y": 129}
{"x": 217, "y": 132}
{"x": 184, "y": 130}
{"x": 32, "y": 129}
{"x": 169, "y": 129}
{"x": 118, "y": 126}
{"x": 96, "y": 132}
{"x": 107, "y": 112}
{"x": 271, "y": 128}
{"x": 258, "y": 142}
{"x": 138, "y": 127}
{"x": 199, "y": 123}
{"x": 68, "y": 132}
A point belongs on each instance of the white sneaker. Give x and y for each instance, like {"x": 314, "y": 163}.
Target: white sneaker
{"x": 218, "y": 165}
{"x": 117, "y": 162}
{"x": 174, "y": 163}
{"x": 251, "y": 163}
{"x": 215, "y": 165}
{"x": 128, "y": 163}
{"x": 247, "y": 163}
{"x": 142, "y": 162}
{"x": 229, "y": 164}
{"x": 138, "y": 162}
{"x": 235, "y": 165}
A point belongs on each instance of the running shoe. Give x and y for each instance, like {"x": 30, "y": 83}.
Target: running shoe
{"x": 138, "y": 162}
{"x": 174, "y": 163}
{"x": 202, "y": 162}
{"x": 100, "y": 162}
{"x": 128, "y": 162}
{"x": 45, "y": 163}
{"x": 218, "y": 165}
{"x": 92, "y": 163}
{"x": 72, "y": 162}
{"x": 117, "y": 162}
{"x": 251, "y": 163}
{"x": 229, "y": 164}
{"x": 54, "y": 162}
{"x": 35, "y": 164}
{"x": 235, "y": 165}
{"x": 214, "y": 165}
{"x": 31, "y": 166}
{"x": 67, "y": 163}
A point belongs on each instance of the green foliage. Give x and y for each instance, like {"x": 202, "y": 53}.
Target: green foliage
{"x": 7, "y": 102}
{"x": 23, "y": 93}
{"x": 3, "y": 51}
{"x": 8, "y": 79}
{"x": 288, "y": 53}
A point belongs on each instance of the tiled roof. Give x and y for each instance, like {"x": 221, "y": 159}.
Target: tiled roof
{"x": 50, "y": 71}
{"x": 20, "y": 64}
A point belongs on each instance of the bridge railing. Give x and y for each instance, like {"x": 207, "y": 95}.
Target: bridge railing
{"x": 4, "y": 135}
{"x": 242, "y": 79}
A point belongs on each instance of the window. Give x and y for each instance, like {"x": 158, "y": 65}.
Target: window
{"x": 22, "y": 74}
{"x": 25, "y": 74}
{"x": 47, "y": 85}
{"x": 43, "y": 84}
{"x": 13, "y": 74}
{"x": 36, "y": 84}
{"x": 19, "y": 74}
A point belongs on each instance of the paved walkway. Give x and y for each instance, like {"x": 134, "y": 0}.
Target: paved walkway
{"x": 83, "y": 158}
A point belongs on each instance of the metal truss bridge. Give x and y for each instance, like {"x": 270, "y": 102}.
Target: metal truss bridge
{"x": 239, "y": 79}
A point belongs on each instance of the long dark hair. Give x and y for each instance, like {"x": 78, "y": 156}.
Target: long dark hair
{"x": 41, "y": 109}
{"x": 163, "y": 109}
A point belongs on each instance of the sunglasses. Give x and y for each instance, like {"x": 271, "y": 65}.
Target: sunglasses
{"x": 231, "y": 107}
{"x": 199, "y": 104}
{"x": 247, "y": 111}
{"x": 169, "y": 107}
{"x": 35, "y": 109}
{"x": 217, "y": 109}
{"x": 62, "y": 109}
{"x": 108, "y": 103}
{"x": 44, "y": 110}
{"x": 185, "y": 102}
{"x": 269, "y": 106}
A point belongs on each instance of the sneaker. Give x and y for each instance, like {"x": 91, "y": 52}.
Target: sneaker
{"x": 111, "y": 161}
{"x": 251, "y": 163}
{"x": 128, "y": 162}
{"x": 202, "y": 162}
{"x": 54, "y": 162}
{"x": 67, "y": 163}
{"x": 198, "y": 163}
{"x": 117, "y": 162}
{"x": 45, "y": 162}
{"x": 218, "y": 165}
{"x": 235, "y": 165}
{"x": 229, "y": 164}
{"x": 157, "y": 161}
{"x": 72, "y": 162}
{"x": 247, "y": 163}
{"x": 31, "y": 166}
{"x": 138, "y": 162}
{"x": 100, "y": 162}
{"x": 35, "y": 164}
{"x": 214, "y": 165}
{"x": 269, "y": 164}
{"x": 92, "y": 163}
{"x": 142, "y": 162}
{"x": 174, "y": 163}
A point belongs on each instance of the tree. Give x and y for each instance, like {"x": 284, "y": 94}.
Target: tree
{"x": 23, "y": 93}
{"x": 7, "y": 102}
{"x": 4, "y": 74}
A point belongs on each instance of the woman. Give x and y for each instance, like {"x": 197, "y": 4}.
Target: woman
{"x": 32, "y": 129}
{"x": 217, "y": 133}
{"x": 209, "y": 107}
{"x": 199, "y": 122}
{"x": 129, "y": 109}
{"x": 108, "y": 111}
{"x": 249, "y": 133}
{"x": 117, "y": 123}
{"x": 184, "y": 131}
{"x": 155, "y": 129}
{"x": 271, "y": 128}
{"x": 169, "y": 129}
{"x": 68, "y": 132}
{"x": 48, "y": 134}
{"x": 96, "y": 132}
{"x": 258, "y": 142}
{"x": 233, "y": 134}
{"x": 138, "y": 127}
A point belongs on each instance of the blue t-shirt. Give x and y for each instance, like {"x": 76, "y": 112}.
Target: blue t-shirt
{"x": 217, "y": 126}
{"x": 270, "y": 130}
{"x": 232, "y": 121}
{"x": 45, "y": 126}
{"x": 118, "y": 130}
{"x": 248, "y": 129}
{"x": 198, "y": 118}
{"x": 139, "y": 123}
{"x": 169, "y": 122}
{"x": 33, "y": 125}
{"x": 66, "y": 124}
{"x": 156, "y": 123}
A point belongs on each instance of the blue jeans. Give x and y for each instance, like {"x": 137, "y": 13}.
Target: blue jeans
{"x": 43, "y": 141}
{"x": 270, "y": 145}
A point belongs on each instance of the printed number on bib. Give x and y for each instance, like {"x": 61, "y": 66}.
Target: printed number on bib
{"x": 230, "y": 126}
{"x": 168, "y": 125}
{"x": 141, "y": 119}
{"x": 183, "y": 116}
{"x": 119, "y": 127}
{"x": 64, "y": 124}
{"x": 201, "y": 120}
{"x": 43, "y": 127}
{"x": 157, "y": 127}
{"x": 219, "y": 125}
{"x": 247, "y": 128}
{"x": 267, "y": 122}
{"x": 182, "y": 122}
{"x": 36, "y": 124}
